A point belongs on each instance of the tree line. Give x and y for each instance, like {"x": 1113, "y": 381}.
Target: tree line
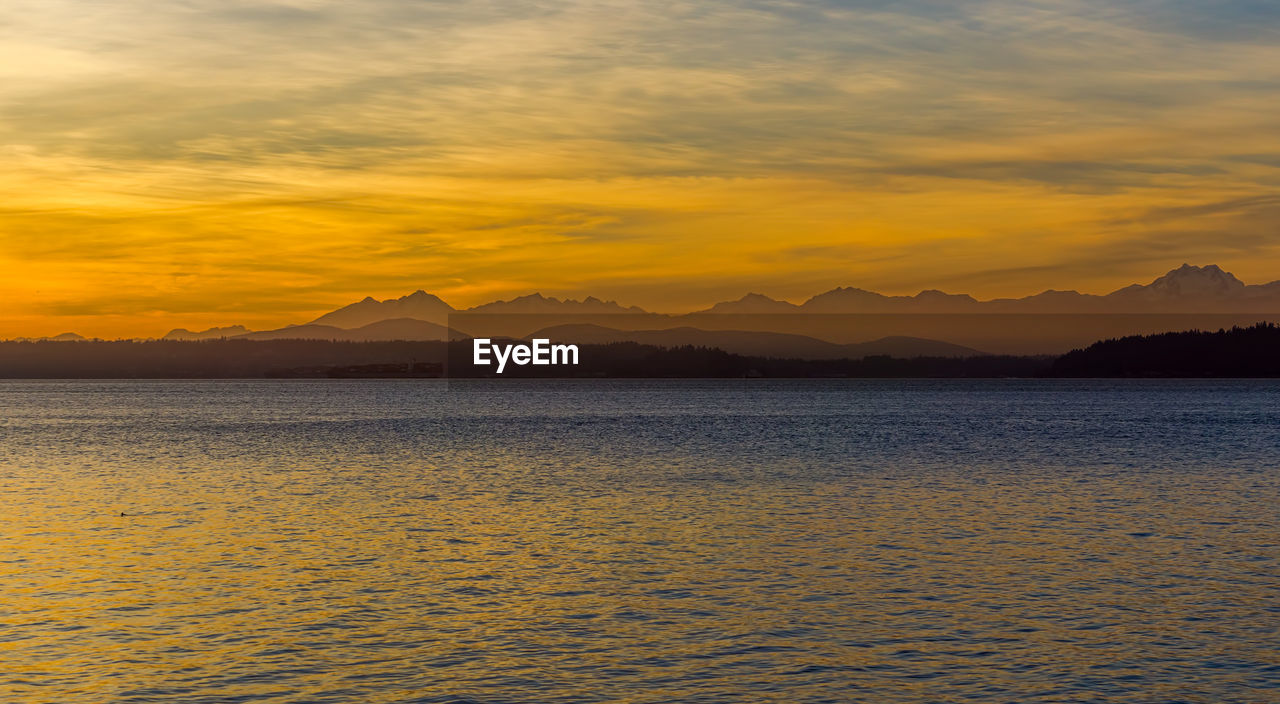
{"x": 1238, "y": 352}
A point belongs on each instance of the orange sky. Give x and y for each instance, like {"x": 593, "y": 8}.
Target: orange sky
{"x": 258, "y": 163}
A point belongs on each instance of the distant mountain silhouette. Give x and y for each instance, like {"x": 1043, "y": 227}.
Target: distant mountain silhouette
{"x": 752, "y": 304}
{"x": 536, "y": 303}
{"x": 1050, "y": 322}
{"x": 1195, "y": 288}
{"x": 1187, "y": 289}
{"x": 756, "y": 344}
{"x": 418, "y": 305}
{"x": 383, "y": 330}
{"x": 210, "y": 334}
{"x": 63, "y": 337}
{"x": 856, "y": 300}
{"x": 421, "y": 305}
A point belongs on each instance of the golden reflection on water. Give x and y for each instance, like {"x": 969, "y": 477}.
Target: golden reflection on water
{"x": 527, "y": 569}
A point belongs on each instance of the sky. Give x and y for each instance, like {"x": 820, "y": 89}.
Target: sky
{"x": 190, "y": 163}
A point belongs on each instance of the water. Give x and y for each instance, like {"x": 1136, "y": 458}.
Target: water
{"x": 646, "y": 541}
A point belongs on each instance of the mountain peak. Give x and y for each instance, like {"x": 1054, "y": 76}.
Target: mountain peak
{"x": 935, "y": 294}
{"x": 752, "y": 303}
{"x": 418, "y": 305}
{"x": 1187, "y": 282}
{"x": 421, "y": 297}
{"x": 845, "y": 299}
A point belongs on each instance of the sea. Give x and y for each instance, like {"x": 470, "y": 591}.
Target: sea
{"x": 674, "y": 541}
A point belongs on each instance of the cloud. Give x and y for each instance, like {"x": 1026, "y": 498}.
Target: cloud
{"x": 482, "y": 145}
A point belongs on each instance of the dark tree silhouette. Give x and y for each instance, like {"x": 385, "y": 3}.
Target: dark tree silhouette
{"x": 172, "y": 359}
{"x": 1239, "y": 352}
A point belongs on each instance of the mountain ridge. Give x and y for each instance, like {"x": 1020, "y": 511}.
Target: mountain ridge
{"x": 1186, "y": 289}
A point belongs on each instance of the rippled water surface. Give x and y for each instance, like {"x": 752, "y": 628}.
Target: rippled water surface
{"x": 649, "y": 541}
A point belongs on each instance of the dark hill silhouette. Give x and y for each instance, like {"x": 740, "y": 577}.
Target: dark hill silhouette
{"x": 240, "y": 358}
{"x": 204, "y": 359}
{"x": 383, "y": 330}
{"x": 210, "y": 334}
{"x": 633, "y": 360}
{"x": 756, "y": 344}
{"x": 905, "y": 347}
{"x": 1239, "y": 352}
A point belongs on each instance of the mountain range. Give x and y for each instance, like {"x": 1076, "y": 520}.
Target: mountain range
{"x": 847, "y": 321}
{"x": 421, "y": 305}
{"x": 1187, "y": 289}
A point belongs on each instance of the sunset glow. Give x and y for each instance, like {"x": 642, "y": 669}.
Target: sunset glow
{"x": 227, "y": 162}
